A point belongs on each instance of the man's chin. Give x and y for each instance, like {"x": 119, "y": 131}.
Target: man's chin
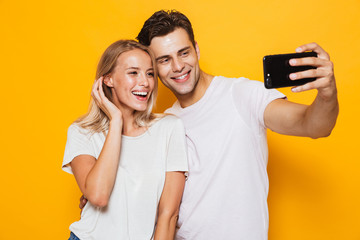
{"x": 182, "y": 91}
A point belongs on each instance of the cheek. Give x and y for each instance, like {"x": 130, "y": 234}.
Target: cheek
{"x": 152, "y": 83}
{"x": 194, "y": 61}
{"x": 162, "y": 71}
{"x": 124, "y": 83}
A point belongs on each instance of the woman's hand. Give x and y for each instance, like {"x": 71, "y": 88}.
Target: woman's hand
{"x": 103, "y": 102}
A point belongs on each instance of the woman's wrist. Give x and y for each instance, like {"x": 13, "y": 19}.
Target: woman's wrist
{"x": 116, "y": 124}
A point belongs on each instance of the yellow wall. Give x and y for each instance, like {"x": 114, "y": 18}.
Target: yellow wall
{"x": 48, "y": 54}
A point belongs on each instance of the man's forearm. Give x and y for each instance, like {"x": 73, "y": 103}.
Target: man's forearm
{"x": 321, "y": 115}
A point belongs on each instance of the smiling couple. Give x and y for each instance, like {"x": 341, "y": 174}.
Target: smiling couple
{"x": 130, "y": 164}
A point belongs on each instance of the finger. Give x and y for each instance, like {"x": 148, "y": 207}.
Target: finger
{"x": 94, "y": 88}
{"x": 104, "y": 100}
{"x": 305, "y": 87}
{"x": 309, "y": 61}
{"x": 95, "y": 92}
{"x": 314, "y": 47}
{"x": 96, "y": 84}
{"x": 101, "y": 91}
{"x": 307, "y": 47}
{"x": 312, "y": 73}
{"x": 96, "y": 98}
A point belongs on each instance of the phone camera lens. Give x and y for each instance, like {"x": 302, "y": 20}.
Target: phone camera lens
{"x": 268, "y": 81}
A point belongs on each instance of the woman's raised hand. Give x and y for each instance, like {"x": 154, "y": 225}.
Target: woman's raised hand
{"x": 104, "y": 103}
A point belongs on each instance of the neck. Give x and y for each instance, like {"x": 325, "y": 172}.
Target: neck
{"x": 130, "y": 128}
{"x": 198, "y": 92}
{"x": 129, "y": 125}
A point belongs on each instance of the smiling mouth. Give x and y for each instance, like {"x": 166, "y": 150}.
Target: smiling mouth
{"x": 140, "y": 95}
{"x": 182, "y": 78}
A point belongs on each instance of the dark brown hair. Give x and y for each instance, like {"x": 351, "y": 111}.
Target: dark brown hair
{"x": 162, "y": 23}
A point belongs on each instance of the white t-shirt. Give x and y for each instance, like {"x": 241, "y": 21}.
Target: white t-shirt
{"x": 132, "y": 207}
{"x": 225, "y": 196}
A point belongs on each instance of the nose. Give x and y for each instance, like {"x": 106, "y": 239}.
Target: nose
{"x": 177, "y": 65}
{"x": 144, "y": 81}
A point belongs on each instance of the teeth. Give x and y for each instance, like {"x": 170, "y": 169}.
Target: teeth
{"x": 140, "y": 93}
{"x": 183, "y": 76}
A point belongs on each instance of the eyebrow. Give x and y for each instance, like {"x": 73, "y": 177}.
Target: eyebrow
{"x": 136, "y": 68}
{"x": 184, "y": 49}
{"x": 132, "y": 68}
{"x": 165, "y": 56}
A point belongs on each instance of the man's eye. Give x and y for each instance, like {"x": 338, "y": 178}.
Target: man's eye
{"x": 164, "y": 60}
{"x": 133, "y": 73}
{"x": 151, "y": 74}
{"x": 185, "y": 53}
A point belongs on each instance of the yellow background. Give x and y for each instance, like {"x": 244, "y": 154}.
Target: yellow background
{"x": 49, "y": 51}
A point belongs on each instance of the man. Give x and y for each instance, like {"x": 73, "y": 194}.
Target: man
{"x": 225, "y": 196}
{"x": 225, "y": 119}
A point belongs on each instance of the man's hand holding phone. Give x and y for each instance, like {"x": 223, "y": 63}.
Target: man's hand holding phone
{"x": 303, "y": 69}
{"x": 286, "y": 117}
{"x": 324, "y": 72}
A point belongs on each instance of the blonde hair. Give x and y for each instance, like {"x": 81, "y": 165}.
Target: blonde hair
{"x": 95, "y": 119}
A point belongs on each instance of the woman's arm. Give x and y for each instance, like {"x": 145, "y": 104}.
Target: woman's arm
{"x": 96, "y": 178}
{"x": 169, "y": 205}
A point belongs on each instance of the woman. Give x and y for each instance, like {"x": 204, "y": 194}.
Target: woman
{"x": 128, "y": 162}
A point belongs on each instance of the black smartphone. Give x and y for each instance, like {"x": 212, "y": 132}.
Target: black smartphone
{"x": 277, "y": 70}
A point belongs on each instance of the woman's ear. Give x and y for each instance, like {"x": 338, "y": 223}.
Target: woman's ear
{"x": 108, "y": 81}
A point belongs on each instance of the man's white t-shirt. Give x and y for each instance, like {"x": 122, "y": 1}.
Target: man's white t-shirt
{"x": 225, "y": 196}
{"x": 144, "y": 161}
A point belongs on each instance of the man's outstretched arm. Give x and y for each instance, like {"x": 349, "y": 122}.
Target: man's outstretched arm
{"x": 319, "y": 118}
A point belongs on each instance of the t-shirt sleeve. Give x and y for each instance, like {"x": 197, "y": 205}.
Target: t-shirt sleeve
{"x": 78, "y": 143}
{"x": 251, "y": 98}
{"x": 176, "y": 158}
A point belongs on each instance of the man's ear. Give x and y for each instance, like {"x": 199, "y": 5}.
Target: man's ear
{"x": 108, "y": 81}
{"x": 197, "y": 50}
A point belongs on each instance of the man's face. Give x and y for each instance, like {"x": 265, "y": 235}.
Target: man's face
{"x": 177, "y": 61}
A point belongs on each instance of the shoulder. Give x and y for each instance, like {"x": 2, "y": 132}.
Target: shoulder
{"x": 241, "y": 82}
{"x": 170, "y": 120}
{"x": 76, "y": 129}
{"x": 247, "y": 87}
{"x": 77, "y": 132}
{"x": 80, "y": 141}
{"x": 167, "y": 124}
{"x": 174, "y": 109}
{"x": 227, "y": 80}
{"x": 247, "y": 83}
{"x": 236, "y": 88}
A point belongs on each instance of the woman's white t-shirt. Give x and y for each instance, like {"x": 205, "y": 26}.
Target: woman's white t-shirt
{"x": 144, "y": 160}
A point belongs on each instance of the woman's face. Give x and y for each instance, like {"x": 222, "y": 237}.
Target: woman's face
{"x": 132, "y": 80}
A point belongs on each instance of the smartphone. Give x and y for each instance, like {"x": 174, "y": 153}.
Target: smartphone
{"x": 277, "y": 70}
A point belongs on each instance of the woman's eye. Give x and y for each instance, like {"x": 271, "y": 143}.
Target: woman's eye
{"x": 151, "y": 74}
{"x": 133, "y": 73}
